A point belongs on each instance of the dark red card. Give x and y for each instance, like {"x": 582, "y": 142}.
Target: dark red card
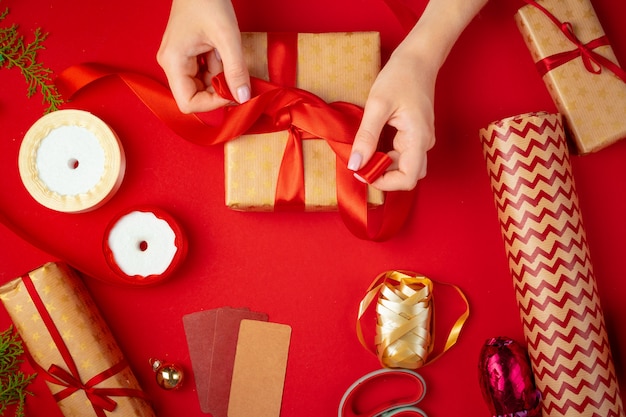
{"x": 212, "y": 341}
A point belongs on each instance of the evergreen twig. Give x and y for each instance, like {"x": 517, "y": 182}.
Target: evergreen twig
{"x": 13, "y": 382}
{"x": 16, "y": 53}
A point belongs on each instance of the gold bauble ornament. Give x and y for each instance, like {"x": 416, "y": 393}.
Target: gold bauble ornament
{"x": 169, "y": 376}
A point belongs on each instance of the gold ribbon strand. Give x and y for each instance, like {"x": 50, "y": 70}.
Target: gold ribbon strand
{"x": 405, "y": 319}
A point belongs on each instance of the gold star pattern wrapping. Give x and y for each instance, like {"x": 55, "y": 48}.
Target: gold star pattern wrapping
{"x": 592, "y": 103}
{"x": 84, "y": 333}
{"x": 333, "y": 66}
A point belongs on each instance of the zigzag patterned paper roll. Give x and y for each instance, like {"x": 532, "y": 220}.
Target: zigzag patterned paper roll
{"x": 546, "y": 245}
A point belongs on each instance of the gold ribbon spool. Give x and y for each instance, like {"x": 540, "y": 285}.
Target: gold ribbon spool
{"x": 405, "y": 319}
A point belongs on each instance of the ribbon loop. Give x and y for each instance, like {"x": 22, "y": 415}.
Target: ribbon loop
{"x": 63, "y": 377}
{"x": 568, "y": 29}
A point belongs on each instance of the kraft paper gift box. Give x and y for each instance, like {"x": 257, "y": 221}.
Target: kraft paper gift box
{"x": 333, "y": 66}
{"x": 592, "y": 103}
{"x": 71, "y": 346}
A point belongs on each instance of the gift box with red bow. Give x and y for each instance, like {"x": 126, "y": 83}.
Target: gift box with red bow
{"x": 288, "y": 147}
{"x": 70, "y": 346}
{"x": 335, "y": 67}
{"x": 579, "y": 68}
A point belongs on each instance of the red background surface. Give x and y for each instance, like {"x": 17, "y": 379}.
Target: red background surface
{"x": 305, "y": 270}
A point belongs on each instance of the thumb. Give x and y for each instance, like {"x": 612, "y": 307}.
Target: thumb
{"x": 367, "y": 137}
{"x": 236, "y": 72}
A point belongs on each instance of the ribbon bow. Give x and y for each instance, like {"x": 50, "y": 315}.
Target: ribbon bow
{"x": 98, "y": 397}
{"x": 273, "y": 108}
{"x": 593, "y": 61}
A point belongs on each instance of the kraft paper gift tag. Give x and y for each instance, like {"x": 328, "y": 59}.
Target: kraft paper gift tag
{"x": 259, "y": 371}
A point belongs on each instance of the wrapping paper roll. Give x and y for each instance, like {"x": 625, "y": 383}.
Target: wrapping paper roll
{"x": 545, "y": 242}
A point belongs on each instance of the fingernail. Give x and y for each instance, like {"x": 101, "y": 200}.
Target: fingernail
{"x": 218, "y": 56}
{"x": 354, "y": 163}
{"x": 360, "y": 178}
{"x": 243, "y": 93}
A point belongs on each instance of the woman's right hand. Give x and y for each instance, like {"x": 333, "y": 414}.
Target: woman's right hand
{"x": 195, "y": 32}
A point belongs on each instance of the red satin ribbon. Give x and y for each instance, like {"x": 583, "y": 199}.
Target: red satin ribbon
{"x": 282, "y": 58}
{"x": 337, "y": 123}
{"x": 272, "y": 108}
{"x": 592, "y": 61}
{"x": 98, "y": 397}
{"x": 282, "y": 63}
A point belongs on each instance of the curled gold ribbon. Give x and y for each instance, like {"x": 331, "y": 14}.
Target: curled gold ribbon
{"x": 405, "y": 319}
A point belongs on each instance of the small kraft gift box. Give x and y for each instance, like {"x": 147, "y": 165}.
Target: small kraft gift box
{"x": 578, "y": 65}
{"x": 70, "y": 345}
{"x": 333, "y": 66}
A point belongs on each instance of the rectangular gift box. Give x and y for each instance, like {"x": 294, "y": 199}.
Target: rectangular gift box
{"x": 591, "y": 103}
{"x": 333, "y": 66}
{"x": 59, "y": 323}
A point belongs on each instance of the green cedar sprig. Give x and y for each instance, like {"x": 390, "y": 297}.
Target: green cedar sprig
{"x": 15, "y": 52}
{"x": 13, "y": 382}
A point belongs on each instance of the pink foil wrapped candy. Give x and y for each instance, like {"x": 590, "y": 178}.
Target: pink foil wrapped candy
{"x": 506, "y": 381}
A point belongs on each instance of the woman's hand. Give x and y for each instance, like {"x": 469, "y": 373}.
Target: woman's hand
{"x": 201, "y": 40}
{"x": 401, "y": 96}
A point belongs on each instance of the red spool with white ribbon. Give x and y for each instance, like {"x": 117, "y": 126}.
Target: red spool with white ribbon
{"x": 144, "y": 245}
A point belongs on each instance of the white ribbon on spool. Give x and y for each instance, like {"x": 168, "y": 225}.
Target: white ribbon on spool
{"x": 71, "y": 161}
{"x": 144, "y": 245}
